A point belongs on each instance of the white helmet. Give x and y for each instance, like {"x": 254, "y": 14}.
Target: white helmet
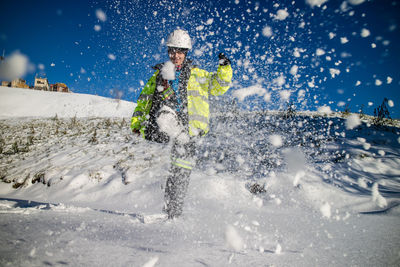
{"x": 179, "y": 38}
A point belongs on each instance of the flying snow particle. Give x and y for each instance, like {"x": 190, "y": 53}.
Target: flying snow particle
{"x": 41, "y": 66}
{"x": 377, "y": 198}
{"x": 373, "y": 45}
{"x": 284, "y": 95}
{"x": 358, "y": 83}
{"x": 267, "y": 31}
{"x": 169, "y": 124}
{"x": 281, "y": 14}
{"x": 278, "y": 249}
{"x": 301, "y": 94}
{"x": 200, "y": 28}
{"x": 334, "y": 72}
{"x": 352, "y": 121}
{"x": 151, "y": 263}
{"x": 97, "y": 28}
{"x": 101, "y": 15}
{"x": 241, "y": 94}
{"x": 267, "y": 97}
{"x": 391, "y": 103}
{"x": 168, "y": 71}
{"x": 381, "y": 152}
{"x": 294, "y": 69}
{"x": 275, "y": 140}
{"x": 341, "y": 104}
{"x": 389, "y": 80}
{"x": 356, "y": 2}
{"x": 111, "y": 56}
{"x": 233, "y": 239}
{"x": 332, "y": 35}
{"x": 366, "y": 146}
{"x": 324, "y": 110}
{"x": 33, "y": 252}
{"x": 14, "y": 66}
{"x": 279, "y": 81}
{"x": 370, "y": 104}
{"x": 320, "y": 52}
{"x": 296, "y": 52}
{"x": 317, "y": 3}
{"x": 378, "y": 82}
{"x": 344, "y": 40}
{"x": 210, "y": 21}
{"x": 326, "y": 210}
{"x": 365, "y": 33}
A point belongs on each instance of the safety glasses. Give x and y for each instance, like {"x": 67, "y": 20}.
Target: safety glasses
{"x": 173, "y": 50}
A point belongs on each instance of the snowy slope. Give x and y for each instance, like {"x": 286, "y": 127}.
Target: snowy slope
{"x": 17, "y": 102}
{"x": 73, "y": 191}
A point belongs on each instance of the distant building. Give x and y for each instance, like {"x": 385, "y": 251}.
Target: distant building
{"x": 59, "y": 87}
{"x": 19, "y": 83}
{"x": 5, "y": 83}
{"x": 41, "y": 84}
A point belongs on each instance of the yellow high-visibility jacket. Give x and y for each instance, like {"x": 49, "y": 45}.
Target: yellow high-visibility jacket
{"x": 199, "y": 85}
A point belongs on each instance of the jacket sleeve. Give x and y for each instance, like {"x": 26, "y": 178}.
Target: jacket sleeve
{"x": 221, "y": 80}
{"x": 144, "y": 103}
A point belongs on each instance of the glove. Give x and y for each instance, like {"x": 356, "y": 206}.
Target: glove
{"x": 223, "y": 60}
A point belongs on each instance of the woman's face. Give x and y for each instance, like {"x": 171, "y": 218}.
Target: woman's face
{"x": 176, "y": 56}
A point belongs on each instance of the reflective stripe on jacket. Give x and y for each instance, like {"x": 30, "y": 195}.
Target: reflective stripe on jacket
{"x": 201, "y": 83}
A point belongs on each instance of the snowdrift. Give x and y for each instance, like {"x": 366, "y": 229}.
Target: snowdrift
{"x": 325, "y": 194}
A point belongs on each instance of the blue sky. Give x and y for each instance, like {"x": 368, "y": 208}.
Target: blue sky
{"x": 267, "y": 42}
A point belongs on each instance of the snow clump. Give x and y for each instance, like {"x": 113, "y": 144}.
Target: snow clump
{"x": 365, "y": 33}
{"x": 152, "y": 262}
{"x": 168, "y": 122}
{"x": 267, "y": 31}
{"x": 317, "y": 3}
{"x": 326, "y": 210}
{"x": 168, "y": 71}
{"x": 13, "y": 67}
{"x": 111, "y": 56}
{"x": 356, "y": 2}
{"x": 241, "y": 94}
{"x": 278, "y": 249}
{"x": 391, "y": 103}
{"x": 294, "y": 69}
{"x": 377, "y": 198}
{"x": 101, "y": 15}
{"x": 352, "y": 121}
{"x": 233, "y": 239}
{"x": 334, "y": 72}
{"x": 275, "y": 140}
{"x": 324, "y": 110}
{"x": 320, "y": 52}
{"x": 285, "y": 95}
{"x": 282, "y": 14}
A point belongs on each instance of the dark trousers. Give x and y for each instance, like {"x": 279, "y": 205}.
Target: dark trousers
{"x": 182, "y": 162}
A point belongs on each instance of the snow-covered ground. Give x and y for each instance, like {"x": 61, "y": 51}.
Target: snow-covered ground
{"x": 75, "y": 185}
